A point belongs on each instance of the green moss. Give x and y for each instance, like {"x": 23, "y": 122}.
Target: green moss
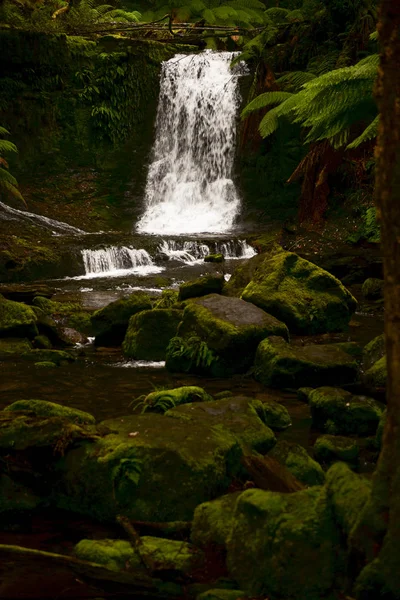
{"x": 42, "y": 342}
{"x": 163, "y": 400}
{"x": 13, "y": 346}
{"x": 42, "y": 408}
{"x": 343, "y": 412}
{"x": 45, "y": 364}
{"x": 347, "y": 494}
{"x": 283, "y": 545}
{"x": 111, "y": 322}
{"x": 167, "y": 300}
{"x": 331, "y": 448}
{"x": 297, "y": 460}
{"x": 373, "y": 351}
{"x": 17, "y": 319}
{"x": 208, "y": 284}
{"x": 214, "y": 258}
{"x": 376, "y": 376}
{"x": 280, "y": 365}
{"x": 113, "y": 554}
{"x": 372, "y": 289}
{"x": 276, "y": 415}
{"x": 231, "y": 328}
{"x": 212, "y": 521}
{"x": 242, "y": 276}
{"x": 149, "y": 333}
{"x": 305, "y": 297}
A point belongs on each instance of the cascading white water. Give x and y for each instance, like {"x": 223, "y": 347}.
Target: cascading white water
{"x": 189, "y": 184}
{"x": 191, "y": 251}
{"x": 117, "y": 261}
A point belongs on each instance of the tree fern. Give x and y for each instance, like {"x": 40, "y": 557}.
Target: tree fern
{"x": 8, "y": 183}
{"x": 264, "y": 100}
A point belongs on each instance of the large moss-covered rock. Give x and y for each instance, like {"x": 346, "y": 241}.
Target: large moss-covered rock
{"x": 340, "y": 412}
{"x": 376, "y": 376}
{"x": 231, "y": 328}
{"x": 17, "y": 319}
{"x": 165, "y": 555}
{"x": 150, "y": 468}
{"x": 305, "y": 297}
{"x": 281, "y": 365}
{"x": 276, "y": 415}
{"x": 372, "y": 288}
{"x": 244, "y": 418}
{"x": 332, "y": 448}
{"x": 42, "y": 408}
{"x": 111, "y": 322}
{"x": 13, "y": 347}
{"x": 212, "y": 521}
{"x": 149, "y": 333}
{"x": 283, "y": 545}
{"x": 208, "y": 284}
{"x": 58, "y": 357}
{"x": 297, "y": 460}
{"x": 162, "y": 400}
{"x": 373, "y": 351}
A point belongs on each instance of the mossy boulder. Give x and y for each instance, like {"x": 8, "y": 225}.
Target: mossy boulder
{"x": 297, "y": 460}
{"x": 212, "y": 522}
{"x": 111, "y": 322}
{"x": 59, "y": 357}
{"x": 283, "y": 545}
{"x": 340, "y": 412}
{"x": 375, "y": 377}
{"x": 276, "y": 415}
{"x": 214, "y": 258}
{"x": 208, "y": 284}
{"x": 372, "y": 288}
{"x": 149, "y": 333}
{"x": 242, "y": 417}
{"x": 282, "y": 365}
{"x": 162, "y": 400}
{"x": 22, "y": 292}
{"x": 231, "y": 328}
{"x": 373, "y": 351}
{"x": 13, "y": 347}
{"x": 242, "y": 275}
{"x": 333, "y": 448}
{"x": 42, "y": 342}
{"x": 305, "y": 297}
{"x": 347, "y": 494}
{"x": 42, "y": 408}
{"x": 174, "y": 556}
{"x": 150, "y": 468}
{"x": 17, "y": 320}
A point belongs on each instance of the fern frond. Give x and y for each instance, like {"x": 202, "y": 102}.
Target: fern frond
{"x": 6, "y": 176}
{"x": 9, "y": 187}
{"x": 294, "y": 80}
{"x": 263, "y": 100}
{"x": 369, "y": 133}
{"x": 6, "y": 146}
{"x": 3, "y": 131}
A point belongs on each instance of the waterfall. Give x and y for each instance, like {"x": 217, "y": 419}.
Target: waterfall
{"x": 116, "y": 261}
{"x": 191, "y": 251}
{"x": 189, "y": 184}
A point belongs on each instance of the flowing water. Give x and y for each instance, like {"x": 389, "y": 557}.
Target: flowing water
{"x": 189, "y": 185}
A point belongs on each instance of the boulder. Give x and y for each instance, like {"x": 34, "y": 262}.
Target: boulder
{"x": 17, "y": 320}
{"x": 244, "y": 418}
{"x": 372, "y": 289}
{"x": 281, "y": 365}
{"x": 45, "y": 364}
{"x": 149, "y": 468}
{"x": 22, "y": 292}
{"x": 276, "y": 415}
{"x": 42, "y": 408}
{"x": 13, "y": 347}
{"x": 297, "y": 460}
{"x": 208, "y": 284}
{"x": 333, "y": 448}
{"x": 162, "y": 400}
{"x": 283, "y": 545}
{"x": 373, "y": 351}
{"x": 305, "y": 297}
{"x": 230, "y": 327}
{"x": 340, "y": 412}
{"x": 59, "y": 357}
{"x": 111, "y": 322}
{"x": 214, "y": 258}
{"x": 149, "y": 333}
{"x": 212, "y": 521}
{"x": 376, "y": 376}
{"x": 42, "y": 342}
{"x": 166, "y": 555}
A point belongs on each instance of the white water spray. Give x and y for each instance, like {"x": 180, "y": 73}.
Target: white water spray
{"x": 190, "y": 252}
{"x": 116, "y": 262}
{"x": 189, "y": 185}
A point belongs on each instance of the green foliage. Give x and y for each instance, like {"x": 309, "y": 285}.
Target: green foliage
{"x": 369, "y": 228}
{"x": 194, "y": 351}
{"x": 8, "y": 183}
{"x": 168, "y": 299}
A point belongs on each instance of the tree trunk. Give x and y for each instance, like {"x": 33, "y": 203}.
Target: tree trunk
{"x": 380, "y": 526}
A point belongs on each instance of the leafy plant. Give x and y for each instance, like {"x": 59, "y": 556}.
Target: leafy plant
{"x": 8, "y": 183}
{"x": 194, "y": 351}
{"x": 168, "y": 299}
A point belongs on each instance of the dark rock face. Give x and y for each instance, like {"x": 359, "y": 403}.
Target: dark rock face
{"x": 281, "y": 365}
{"x": 209, "y": 284}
